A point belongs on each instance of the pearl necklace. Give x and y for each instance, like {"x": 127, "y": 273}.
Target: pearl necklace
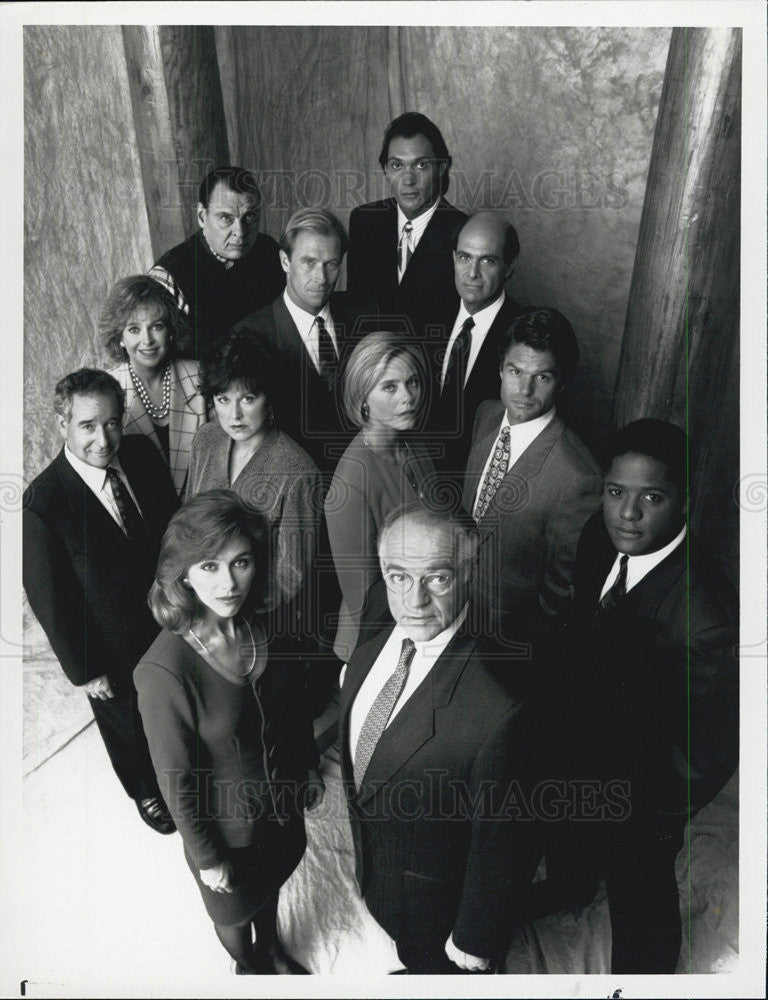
{"x": 156, "y": 413}
{"x": 224, "y": 667}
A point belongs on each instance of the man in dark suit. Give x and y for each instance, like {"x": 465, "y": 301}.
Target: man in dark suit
{"x": 92, "y": 525}
{"x": 227, "y": 269}
{"x": 651, "y": 684}
{"x": 400, "y": 248}
{"x": 466, "y": 367}
{"x": 434, "y": 748}
{"x": 310, "y": 326}
{"x": 530, "y": 482}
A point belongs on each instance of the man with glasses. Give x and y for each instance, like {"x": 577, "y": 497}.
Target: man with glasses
{"x": 434, "y": 759}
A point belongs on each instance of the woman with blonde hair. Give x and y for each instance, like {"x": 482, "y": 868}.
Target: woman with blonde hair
{"x": 385, "y": 466}
{"x": 141, "y": 329}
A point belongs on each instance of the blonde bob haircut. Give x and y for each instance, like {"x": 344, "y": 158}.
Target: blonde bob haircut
{"x": 366, "y": 365}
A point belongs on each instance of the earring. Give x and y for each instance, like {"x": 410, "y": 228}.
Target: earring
{"x": 365, "y": 410}
{"x": 270, "y": 416}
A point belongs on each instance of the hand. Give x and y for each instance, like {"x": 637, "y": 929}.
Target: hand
{"x": 99, "y": 687}
{"x": 315, "y": 790}
{"x": 464, "y": 961}
{"x": 218, "y": 878}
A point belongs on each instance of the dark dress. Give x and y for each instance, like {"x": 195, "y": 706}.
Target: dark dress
{"x": 231, "y": 757}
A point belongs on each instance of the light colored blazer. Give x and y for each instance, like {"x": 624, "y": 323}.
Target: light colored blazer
{"x": 187, "y": 414}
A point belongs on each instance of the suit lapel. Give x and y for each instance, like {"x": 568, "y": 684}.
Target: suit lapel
{"x": 183, "y": 417}
{"x": 430, "y": 246}
{"x": 479, "y": 454}
{"x": 646, "y": 596}
{"x": 88, "y": 510}
{"x": 414, "y": 725}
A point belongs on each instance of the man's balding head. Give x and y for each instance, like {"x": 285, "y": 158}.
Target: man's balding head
{"x": 427, "y": 560}
{"x": 485, "y": 250}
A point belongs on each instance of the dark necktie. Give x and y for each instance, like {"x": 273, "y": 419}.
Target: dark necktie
{"x": 126, "y": 508}
{"x": 618, "y": 590}
{"x": 456, "y": 372}
{"x": 378, "y": 715}
{"x": 404, "y": 248}
{"x": 496, "y": 472}
{"x": 326, "y": 352}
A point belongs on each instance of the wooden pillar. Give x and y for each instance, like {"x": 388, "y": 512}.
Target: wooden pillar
{"x": 179, "y": 118}
{"x": 679, "y": 357}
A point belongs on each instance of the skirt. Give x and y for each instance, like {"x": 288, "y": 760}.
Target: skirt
{"x": 259, "y": 871}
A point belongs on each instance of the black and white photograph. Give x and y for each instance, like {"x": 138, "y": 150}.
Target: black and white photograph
{"x": 383, "y": 499}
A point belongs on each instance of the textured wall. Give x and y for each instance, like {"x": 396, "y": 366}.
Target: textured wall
{"x": 85, "y": 221}
{"x": 305, "y": 108}
{"x": 552, "y": 125}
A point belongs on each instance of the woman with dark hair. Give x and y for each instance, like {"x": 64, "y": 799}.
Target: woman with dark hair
{"x": 140, "y": 328}
{"x": 232, "y": 749}
{"x": 244, "y": 450}
{"x": 384, "y": 467}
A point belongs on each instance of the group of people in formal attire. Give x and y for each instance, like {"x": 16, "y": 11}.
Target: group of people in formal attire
{"x": 279, "y": 497}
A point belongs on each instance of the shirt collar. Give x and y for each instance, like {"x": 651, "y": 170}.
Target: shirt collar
{"x": 305, "y": 320}
{"x": 483, "y": 317}
{"x": 431, "y": 648}
{"x": 530, "y": 429}
{"x": 419, "y": 224}
{"x": 224, "y": 260}
{"x": 93, "y": 477}
{"x": 640, "y": 566}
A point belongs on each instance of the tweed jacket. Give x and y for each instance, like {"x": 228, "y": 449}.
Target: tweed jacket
{"x": 188, "y": 412}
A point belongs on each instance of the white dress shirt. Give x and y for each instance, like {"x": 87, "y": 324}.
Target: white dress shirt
{"x": 98, "y": 483}
{"x": 640, "y": 566}
{"x": 520, "y": 437}
{"x": 423, "y": 660}
{"x": 307, "y": 327}
{"x": 483, "y": 320}
{"x": 418, "y": 225}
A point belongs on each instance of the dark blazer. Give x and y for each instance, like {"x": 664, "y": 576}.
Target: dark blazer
{"x": 86, "y": 582}
{"x": 436, "y": 843}
{"x": 655, "y": 683}
{"x": 210, "y": 746}
{"x": 311, "y": 411}
{"x": 428, "y": 288}
{"x": 531, "y": 528}
{"x": 453, "y": 411}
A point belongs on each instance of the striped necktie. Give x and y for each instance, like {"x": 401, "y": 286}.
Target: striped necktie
{"x": 618, "y": 589}
{"x": 457, "y": 362}
{"x": 378, "y": 715}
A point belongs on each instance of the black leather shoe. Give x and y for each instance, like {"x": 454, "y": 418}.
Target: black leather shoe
{"x": 276, "y": 961}
{"x": 155, "y": 815}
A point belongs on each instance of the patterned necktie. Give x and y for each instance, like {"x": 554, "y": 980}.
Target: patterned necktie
{"x": 133, "y": 523}
{"x": 326, "y": 352}
{"x": 457, "y": 362}
{"x": 404, "y": 248}
{"x": 618, "y": 590}
{"x": 378, "y": 716}
{"x": 493, "y": 477}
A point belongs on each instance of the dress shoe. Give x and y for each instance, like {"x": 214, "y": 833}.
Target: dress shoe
{"x": 274, "y": 960}
{"x": 155, "y": 814}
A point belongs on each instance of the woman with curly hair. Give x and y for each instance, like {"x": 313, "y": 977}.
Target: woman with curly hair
{"x": 141, "y": 328}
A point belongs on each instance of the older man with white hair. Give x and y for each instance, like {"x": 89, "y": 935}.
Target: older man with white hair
{"x": 434, "y": 760}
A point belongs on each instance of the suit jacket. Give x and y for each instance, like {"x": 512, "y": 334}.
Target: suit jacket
{"x": 186, "y": 415}
{"x": 437, "y": 846}
{"x": 453, "y": 411}
{"x": 655, "y": 683}
{"x": 311, "y": 411}
{"x": 86, "y": 582}
{"x": 428, "y": 289}
{"x": 529, "y": 533}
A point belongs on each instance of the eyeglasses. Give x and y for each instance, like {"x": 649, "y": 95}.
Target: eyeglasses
{"x": 436, "y": 584}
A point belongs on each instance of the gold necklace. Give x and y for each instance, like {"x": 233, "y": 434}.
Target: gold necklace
{"x": 224, "y": 667}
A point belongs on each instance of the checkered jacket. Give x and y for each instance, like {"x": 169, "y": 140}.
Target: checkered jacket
{"x": 187, "y": 414}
